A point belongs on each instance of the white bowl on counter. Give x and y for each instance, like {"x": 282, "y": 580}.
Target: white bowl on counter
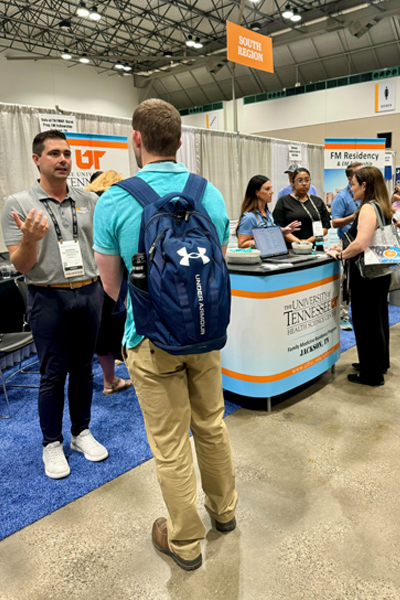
{"x": 302, "y": 247}
{"x": 243, "y": 256}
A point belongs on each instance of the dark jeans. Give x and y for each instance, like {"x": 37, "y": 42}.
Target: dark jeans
{"x": 65, "y": 324}
{"x": 370, "y": 312}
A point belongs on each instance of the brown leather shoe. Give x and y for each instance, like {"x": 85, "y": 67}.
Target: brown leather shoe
{"x": 160, "y": 540}
{"x": 226, "y": 527}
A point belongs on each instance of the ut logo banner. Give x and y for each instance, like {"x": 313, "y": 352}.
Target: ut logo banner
{"x": 185, "y": 261}
{"x": 89, "y": 159}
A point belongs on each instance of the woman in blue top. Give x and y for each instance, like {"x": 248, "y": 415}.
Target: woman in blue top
{"x": 255, "y": 213}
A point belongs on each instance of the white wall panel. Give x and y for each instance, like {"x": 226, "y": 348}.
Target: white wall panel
{"x": 79, "y": 88}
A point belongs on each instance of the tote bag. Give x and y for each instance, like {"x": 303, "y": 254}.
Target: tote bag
{"x": 382, "y": 257}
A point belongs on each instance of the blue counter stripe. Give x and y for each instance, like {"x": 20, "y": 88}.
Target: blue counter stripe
{"x": 274, "y": 281}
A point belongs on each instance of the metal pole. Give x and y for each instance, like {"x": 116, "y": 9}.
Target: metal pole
{"x": 235, "y": 119}
{"x": 235, "y": 124}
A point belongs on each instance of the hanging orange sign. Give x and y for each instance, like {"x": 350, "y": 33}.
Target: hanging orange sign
{"x": 248, "y": 48}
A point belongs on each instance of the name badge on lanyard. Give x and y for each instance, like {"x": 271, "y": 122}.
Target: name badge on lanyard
{"x": 71, "y": 258}
{"x": 317, "y": 229}
{"x": 70, "y": 250}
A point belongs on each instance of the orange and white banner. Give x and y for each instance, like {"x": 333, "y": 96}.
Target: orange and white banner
{"x": 249, "y": 48}
{"x": 92, "y": 152}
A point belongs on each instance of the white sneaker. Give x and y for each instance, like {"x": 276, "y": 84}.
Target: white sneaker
{"x": 55, "y": 463}
{"x": 85, "y": 442}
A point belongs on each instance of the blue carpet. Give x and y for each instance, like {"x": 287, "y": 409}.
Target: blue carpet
{"x": 26, "y": 493}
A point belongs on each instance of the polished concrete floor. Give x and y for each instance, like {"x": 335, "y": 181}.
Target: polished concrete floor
{"x": 318, "y": 514}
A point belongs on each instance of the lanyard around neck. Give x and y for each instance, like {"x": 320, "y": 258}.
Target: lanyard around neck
{"x": 266, "y": 220}
{"x": 306, "y": 209}
{"x": 56, "y": 225}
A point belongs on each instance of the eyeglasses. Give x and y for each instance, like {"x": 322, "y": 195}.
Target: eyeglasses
{"x": 302, "y": 181}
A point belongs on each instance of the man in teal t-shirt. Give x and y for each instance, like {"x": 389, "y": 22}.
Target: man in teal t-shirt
{"x": 175, "y": 392}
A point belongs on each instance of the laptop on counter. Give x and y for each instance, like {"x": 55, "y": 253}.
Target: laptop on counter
{"x": 272, "y": 246}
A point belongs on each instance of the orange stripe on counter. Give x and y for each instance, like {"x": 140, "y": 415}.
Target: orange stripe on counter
{"x": 285, "y": 292}
{"x": 97, "y": 144}
{"x": 279, "y": 376}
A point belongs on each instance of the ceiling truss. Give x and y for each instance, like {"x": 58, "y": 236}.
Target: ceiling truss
{"x": 138, "y": 32}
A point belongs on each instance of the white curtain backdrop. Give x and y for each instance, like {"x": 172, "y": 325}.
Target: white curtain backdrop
{"x": 187, "y": 151}
{"x": 219, "y": 163}
{"x": 227, "y": 159}
{"x": 254, "y": 159}
{"x": 16, "y": 357}
{"x": 316, "y": 166}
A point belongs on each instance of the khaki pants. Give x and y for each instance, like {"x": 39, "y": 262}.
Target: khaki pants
{"x": 177, "y": 393}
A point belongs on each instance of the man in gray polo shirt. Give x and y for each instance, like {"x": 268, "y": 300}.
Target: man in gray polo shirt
{"x": 48, "y": 231}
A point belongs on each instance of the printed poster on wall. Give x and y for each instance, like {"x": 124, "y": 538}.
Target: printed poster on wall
{"x": 61, "y": 122}
{"x": 295, "y": 153}
{"x": 92, "y": 152}
{"x": 341, "y": 152}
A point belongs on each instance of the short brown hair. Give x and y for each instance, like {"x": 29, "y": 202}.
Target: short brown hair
{"x": 351, "y": 167}
{"x": 40, "y": 138}
{"x": 160, "y": 126}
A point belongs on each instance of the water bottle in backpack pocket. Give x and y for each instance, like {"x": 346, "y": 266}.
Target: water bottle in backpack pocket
{"x": 186, "y": 309}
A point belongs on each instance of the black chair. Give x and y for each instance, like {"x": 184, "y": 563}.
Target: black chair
{"x": 9, "y": 343}
{"x": 12, "y": 342}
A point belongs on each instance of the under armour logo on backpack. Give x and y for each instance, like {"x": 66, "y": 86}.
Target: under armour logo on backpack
{"x": 186, "y": 257}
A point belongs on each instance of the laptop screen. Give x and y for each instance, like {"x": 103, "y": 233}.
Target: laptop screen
{"x": 270, "y": 241}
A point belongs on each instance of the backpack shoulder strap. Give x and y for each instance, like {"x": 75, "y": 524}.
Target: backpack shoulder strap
{"x": 140, "y": 190}
{"x": 195, "y": 187}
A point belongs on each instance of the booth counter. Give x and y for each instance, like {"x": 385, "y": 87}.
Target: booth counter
{"x": 285, "y": 326}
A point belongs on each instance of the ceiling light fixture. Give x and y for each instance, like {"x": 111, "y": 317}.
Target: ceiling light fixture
{"x": 65, "y": 25}
{"x": 127, "y": 67}
{"x": 66, "y": 55}
{"x": 255, "y": 26}
{"x": 119, "y": 65}
{"x": 254, "y": 1}
{"x": 295, "y": 17}
{"x": 287, "y": 13}
{"x": 168, "y": 54}
{"x": 190, "y": 42}
{"x": 82, "y": 11}
{"x": 84, "y": 59}
{"x": 197, "y": 44}
{"x": 94, "y": 14}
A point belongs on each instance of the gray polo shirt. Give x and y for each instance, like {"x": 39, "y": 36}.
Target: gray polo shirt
{"x": 48, "y": 268}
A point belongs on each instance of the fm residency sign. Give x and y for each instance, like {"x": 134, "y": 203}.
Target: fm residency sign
{"x": 341, "y": 152}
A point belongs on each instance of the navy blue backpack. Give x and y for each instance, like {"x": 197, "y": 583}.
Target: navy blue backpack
{"x": 187, "y": 307}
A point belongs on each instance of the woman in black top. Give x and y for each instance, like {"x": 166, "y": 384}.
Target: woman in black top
{"x": 368, "y": 296}
{"x": 301, "y": 206}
